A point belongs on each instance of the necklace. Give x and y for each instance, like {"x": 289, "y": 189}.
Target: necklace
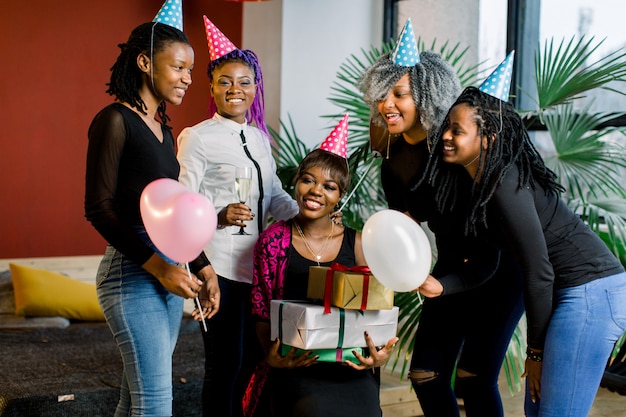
{"x": 471, "y": 162}
{"x": 317, "y": 255}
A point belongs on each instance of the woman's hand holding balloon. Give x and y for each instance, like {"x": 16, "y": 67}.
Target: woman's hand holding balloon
{"x": 174, "y": 278}
{"x": 430, "y": 288}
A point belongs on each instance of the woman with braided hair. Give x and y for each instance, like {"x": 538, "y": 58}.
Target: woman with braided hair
{"x": 140, "y": 290}
{"x": 463, "y": 331}
{"x": 575, "y": 288}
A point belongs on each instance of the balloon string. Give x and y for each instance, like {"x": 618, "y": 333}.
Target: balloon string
{"x": 359, "y": 182}
{"x": 197, "y": 300}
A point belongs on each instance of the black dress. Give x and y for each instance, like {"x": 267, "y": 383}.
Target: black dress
{"x": 323, "y": 389}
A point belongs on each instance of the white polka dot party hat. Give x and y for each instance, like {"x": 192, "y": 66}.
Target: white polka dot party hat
{"x": 405, "y": 53}
{"x": 498, "y": 83}
{"x": 219, "y": 44}
{"x": 171, "y": 13}
{"x": 337, "y": 141}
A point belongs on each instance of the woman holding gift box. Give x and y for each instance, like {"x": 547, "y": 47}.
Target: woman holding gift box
{"x": 461, "y": 329}
{"x": 299, "y": 385}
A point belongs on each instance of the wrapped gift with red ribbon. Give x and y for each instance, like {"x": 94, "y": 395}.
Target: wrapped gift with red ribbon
{"x": 353, "y": 288}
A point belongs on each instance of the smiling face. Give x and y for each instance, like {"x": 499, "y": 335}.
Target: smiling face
{"x": 171, "y": 75}
{"x": 399, "y": 111}
{"x": 317, "y": 193}
{"x": 461, "y": 138}
{"x": 233, "y": 89}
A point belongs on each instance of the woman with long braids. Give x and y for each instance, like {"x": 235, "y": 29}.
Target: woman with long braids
{"x": 209, "y": 154}
{"x": 575, "y": 289}
{"x": 140, "y": 290}
{"x": 462, "y": 331}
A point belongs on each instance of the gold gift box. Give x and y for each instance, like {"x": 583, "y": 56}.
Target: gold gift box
{"x": 348, "y": 290}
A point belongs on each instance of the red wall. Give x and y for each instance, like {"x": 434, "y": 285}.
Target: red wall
{"x": 56, "y": 61}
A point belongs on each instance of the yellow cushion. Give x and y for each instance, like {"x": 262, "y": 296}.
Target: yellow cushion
{"x": 45, "y": 293}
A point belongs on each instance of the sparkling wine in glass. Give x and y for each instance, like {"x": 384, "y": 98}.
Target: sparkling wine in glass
{"x": 243, "y": 182}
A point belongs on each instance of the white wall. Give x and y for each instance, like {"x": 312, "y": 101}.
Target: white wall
{"x": 302, "y": 43}
{"x": 317, "y": 37}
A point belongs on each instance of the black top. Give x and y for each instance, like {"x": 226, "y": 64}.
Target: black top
{"x": 462, "y": 262}
{"x": 554, "y": 247}
{"x": 297, "y": 279}
{"x": 123, "y": 157}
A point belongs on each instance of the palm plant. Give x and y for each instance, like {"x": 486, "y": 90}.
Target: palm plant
{"x": 588, "y": 163}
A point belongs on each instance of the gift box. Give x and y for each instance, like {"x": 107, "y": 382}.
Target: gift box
{"x": 350, "y": 288}
{"x": 328, "y": 355}
{"x": 306, "y": 326}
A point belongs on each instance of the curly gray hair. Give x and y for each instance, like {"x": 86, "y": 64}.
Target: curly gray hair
{"x": 434, "y": 85}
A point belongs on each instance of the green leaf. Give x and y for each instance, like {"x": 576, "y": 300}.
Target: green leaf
{"x": 564, "y": 73}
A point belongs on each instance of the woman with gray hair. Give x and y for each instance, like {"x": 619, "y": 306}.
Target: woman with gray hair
{"x": 465, "y": 328}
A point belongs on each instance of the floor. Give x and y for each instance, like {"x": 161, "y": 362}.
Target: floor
{"x": 398, "y": 400}
{"x": 606, "y": 404}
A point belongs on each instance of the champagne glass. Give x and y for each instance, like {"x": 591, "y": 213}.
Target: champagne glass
{"x": 243, "y": 182}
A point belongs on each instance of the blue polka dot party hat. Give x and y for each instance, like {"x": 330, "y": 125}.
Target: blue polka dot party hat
{"x": 171, "y": 13}
{"x": 498, "y": 83}
{"x": 406, "y": 54}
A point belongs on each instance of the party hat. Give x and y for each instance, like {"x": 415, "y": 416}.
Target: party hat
{"x": 406, "y": 54}
{"x": 171, "y": 13}
{"x": 498, "y": 83}
{"x": 219, "y": 44}
{"x": 337, "y": 141}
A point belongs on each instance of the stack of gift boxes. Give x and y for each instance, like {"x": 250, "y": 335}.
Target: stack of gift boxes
{"x": 344, "y": 303}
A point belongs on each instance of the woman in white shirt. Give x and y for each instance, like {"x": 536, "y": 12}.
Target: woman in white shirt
{"x": 209, "y": 153}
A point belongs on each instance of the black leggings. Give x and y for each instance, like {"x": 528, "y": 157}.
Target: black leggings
{"x": 231, "y": 351}
{"x": 472, "y": 328}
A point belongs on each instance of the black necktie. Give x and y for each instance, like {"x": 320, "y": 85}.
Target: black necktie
{"x": 259, "y": 216}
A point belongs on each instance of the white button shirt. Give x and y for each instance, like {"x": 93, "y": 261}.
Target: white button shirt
{"x": 208, "y": 154}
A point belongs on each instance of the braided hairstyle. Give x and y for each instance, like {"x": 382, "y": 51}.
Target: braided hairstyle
{"x": 256, "y": 112}
{"x": 511, "y": 146}
{"x": 126, "y": 78}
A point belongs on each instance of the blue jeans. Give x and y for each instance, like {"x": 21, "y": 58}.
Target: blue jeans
{"x": 586, "y": 322}
{"x": 145, "y": 319}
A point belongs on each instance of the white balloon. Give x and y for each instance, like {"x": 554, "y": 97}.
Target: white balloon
{"x": 396, "y": 250}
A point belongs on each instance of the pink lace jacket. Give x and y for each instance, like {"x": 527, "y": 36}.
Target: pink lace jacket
{"x": 271, "y": 254}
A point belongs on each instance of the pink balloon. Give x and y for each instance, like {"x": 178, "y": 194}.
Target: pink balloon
{"x": 180, "y": 223}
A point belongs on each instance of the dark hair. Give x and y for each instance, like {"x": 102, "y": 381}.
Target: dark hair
{"x": 256, "y": 112}
{"x": 511, "y": 147}
{"x": 149, "y": 39}
{"x": 336, "y": 165}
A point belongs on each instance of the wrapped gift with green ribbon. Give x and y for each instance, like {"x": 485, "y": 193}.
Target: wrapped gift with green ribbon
{"x": 306, "y": 326}
{"x": 328, "y": 355}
